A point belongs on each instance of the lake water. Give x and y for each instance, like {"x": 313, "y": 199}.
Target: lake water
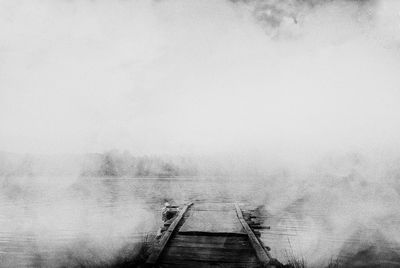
{"x": 51, "y": 222}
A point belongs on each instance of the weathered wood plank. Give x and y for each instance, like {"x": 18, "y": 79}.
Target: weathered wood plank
{"x": 211, "y": 239}
{"x": 260, "y": 252}
{"x": 216, "y": 233}
{"x": 209, "y": 245}
{"x": 209, "y": 257}
{"x": 213, "y": 207}
{"x": 215, "y": 252}
{"x": 205, "y": 243}
{"x": 211, "y": 221}
{"x": 158, "y": 249}
{"x": 197, "y": 264}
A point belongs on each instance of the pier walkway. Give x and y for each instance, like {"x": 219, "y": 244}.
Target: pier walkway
{"x": 209, "y": 235}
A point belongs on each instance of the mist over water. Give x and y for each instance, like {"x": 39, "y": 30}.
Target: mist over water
{"x": 291, "y": 106}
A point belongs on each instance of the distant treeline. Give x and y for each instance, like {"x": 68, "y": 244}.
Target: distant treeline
{"x": 125, "y": 164}
{"x": 108, "y": 164}
{"x": 116, "y": 164}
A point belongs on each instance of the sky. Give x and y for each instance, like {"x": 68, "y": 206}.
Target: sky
{"x": 199, "y": 77}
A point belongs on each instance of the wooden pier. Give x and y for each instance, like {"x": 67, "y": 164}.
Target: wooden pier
{"x": 209, "y": 235}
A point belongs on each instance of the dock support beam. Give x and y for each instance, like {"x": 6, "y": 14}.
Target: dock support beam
{"x": 261, "y": 253}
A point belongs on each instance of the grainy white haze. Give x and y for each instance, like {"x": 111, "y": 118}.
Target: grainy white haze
{"x": 196, "y": 76}
{"x": 309, "y": 87}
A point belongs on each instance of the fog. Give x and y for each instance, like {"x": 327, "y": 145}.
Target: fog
{"x": 197, "y": 77}
{"x": 301, "y": 96}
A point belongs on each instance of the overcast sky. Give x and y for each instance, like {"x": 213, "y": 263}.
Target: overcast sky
{"x": 198, "y": 76}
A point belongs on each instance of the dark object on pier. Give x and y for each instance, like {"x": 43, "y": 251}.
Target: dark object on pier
{"x": 168, "y": 212}
{"x": 168, "y": 215}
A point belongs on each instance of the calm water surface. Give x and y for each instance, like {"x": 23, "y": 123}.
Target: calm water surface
{"x": 46, "y": 224}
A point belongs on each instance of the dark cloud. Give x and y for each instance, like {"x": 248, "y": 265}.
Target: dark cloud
{"x": 273, "y": 13}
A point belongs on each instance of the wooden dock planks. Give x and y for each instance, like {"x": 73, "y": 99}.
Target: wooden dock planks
{"x": 209, "y": 235}
{"x": 209, "y": 251}
{"x": 210, "y": 221}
